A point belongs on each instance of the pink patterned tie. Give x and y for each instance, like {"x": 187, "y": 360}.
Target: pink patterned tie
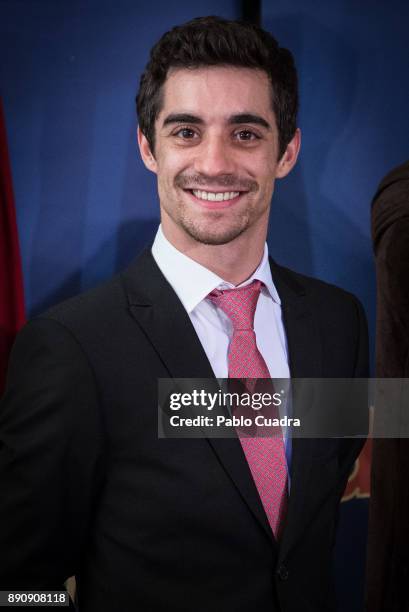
{"x": 265, "y": 455}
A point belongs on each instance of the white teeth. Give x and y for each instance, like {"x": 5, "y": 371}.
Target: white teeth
{"x": 215, "y": 197}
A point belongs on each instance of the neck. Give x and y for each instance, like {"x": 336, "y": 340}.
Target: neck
{"x": 234, "y": 262}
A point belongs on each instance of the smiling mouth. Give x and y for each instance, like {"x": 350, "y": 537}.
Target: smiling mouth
{"x": 215, "y": 199}
{"x": 215, "y": 196}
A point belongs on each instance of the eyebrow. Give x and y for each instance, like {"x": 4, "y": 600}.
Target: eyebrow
{"x": 249, "y": 118}
{"x": 182, "y": 118}
{"x": 233, "y": 120}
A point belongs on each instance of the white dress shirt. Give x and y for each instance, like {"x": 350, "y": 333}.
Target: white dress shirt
{"x": 192, "y": 282}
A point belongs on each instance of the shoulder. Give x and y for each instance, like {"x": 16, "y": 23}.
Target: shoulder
{"x": 109, "y": 302}
{"x": 319, "y": 293}
{"x": 90, "y": 307}
{"x": 336, "y": 316}
{"x": 67, "y": 328}
{"x": 96, "y": 320}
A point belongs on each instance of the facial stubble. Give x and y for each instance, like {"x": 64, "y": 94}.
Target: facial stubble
{"x": 215, "y": 227}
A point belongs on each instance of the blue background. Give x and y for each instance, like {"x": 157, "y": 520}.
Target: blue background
{"x": 86, "y": 205}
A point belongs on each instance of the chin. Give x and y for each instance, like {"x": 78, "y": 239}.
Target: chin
{"x": 211, "y": 235}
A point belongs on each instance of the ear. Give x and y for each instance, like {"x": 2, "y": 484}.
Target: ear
{"x": 145, "y": 151}
{"x": 289, "y": 158}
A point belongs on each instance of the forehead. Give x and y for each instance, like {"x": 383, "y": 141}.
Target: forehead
{"x": 217, "y": 92}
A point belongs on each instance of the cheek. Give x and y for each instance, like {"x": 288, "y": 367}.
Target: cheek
{"x": 263, "y": 167}
{"x": 168, "y": 169}
{"x": 269, "y": 167}
{"x": 266, "y": 181}
{"x": 166, "y": 182}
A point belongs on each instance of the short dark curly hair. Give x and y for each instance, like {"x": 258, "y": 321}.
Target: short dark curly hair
{"x": 213, "y": 41}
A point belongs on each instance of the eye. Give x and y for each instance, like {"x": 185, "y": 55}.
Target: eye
{"x": 185, "y": 133}
{"x": 246, "y": 135}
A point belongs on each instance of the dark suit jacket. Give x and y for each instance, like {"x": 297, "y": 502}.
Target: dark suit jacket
{"x": 388, "y": 539}
{"x": 152, "y": 524}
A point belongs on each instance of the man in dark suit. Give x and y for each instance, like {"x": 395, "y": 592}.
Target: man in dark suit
{"x": 181, "y": 524}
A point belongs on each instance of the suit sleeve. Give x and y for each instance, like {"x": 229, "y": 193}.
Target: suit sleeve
{"x": 51, "y": 459}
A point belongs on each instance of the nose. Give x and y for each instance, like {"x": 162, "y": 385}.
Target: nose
{"x": 214, "y": 157}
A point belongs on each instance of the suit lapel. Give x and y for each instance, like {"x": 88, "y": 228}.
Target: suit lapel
{"x": 158, "y": 311}
{"x": 160, "y": 314}
{"x": 305, "y": 361}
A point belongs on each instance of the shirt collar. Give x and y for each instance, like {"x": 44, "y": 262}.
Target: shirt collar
{"x": 192, "y": 282}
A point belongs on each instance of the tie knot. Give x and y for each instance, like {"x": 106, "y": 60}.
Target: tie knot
{"x": 238, "y": 304}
